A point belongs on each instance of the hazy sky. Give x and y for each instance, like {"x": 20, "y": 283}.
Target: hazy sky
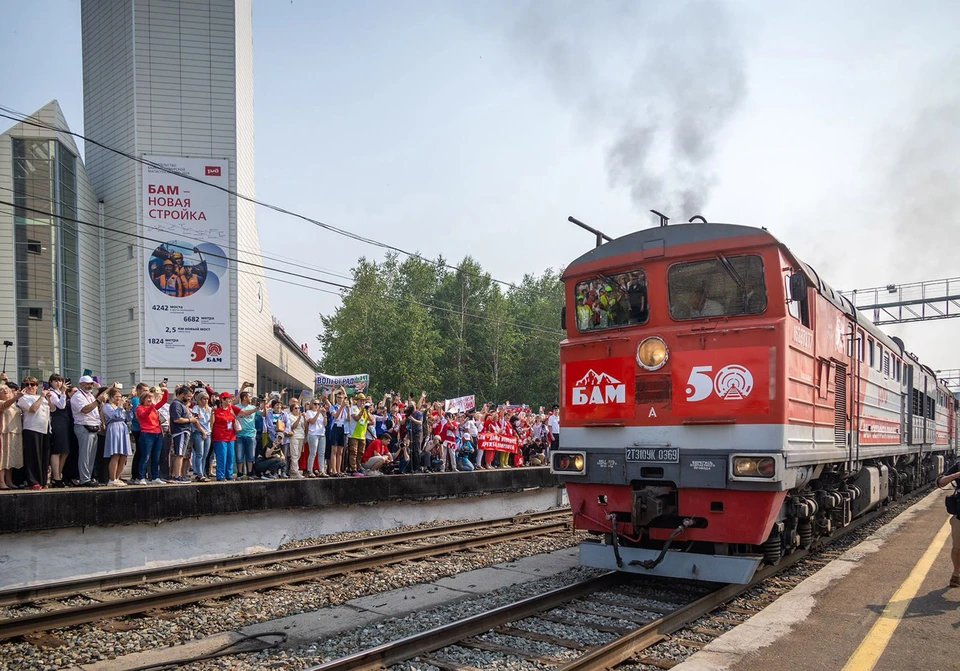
{"x": 477, "y": 128}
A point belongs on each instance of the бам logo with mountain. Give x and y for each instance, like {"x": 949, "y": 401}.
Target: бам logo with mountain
{"x": 599, "y": 389}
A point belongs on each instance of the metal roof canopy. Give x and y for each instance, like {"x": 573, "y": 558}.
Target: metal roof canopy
{"x": 904, "y": 303}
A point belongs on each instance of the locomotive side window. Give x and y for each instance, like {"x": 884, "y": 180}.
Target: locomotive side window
{"x": 721, "y": 287}
{"x": 612, "y": 301}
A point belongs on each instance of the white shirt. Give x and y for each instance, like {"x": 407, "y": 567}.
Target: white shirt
{"x": 553, "y": 421}
{"x": 319, "y": 426}
{"x": 473, "y": 427}
{"x": 80, "y": 400}
{"x": 296, "y": 427}
{"x": 38, "y": 421}
{"x": 58, "y": 399}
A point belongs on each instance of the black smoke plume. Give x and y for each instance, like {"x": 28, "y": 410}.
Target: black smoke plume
{"x": 660, "y": 80}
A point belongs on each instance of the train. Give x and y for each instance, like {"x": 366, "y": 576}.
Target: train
{"x": 722, "y": 406}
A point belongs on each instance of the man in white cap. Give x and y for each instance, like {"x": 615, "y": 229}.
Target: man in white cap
{"x": 86, "y": 425}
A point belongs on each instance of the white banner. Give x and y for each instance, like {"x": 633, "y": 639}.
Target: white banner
{"x": 186, "y": 282}
{"x": 354, "y": 384}
{"x": 461, "y": 404}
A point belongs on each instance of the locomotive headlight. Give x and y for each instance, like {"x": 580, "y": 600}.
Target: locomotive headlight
{"x": 754, "y": 467}
{"x": 568, "y": 463}
{"x": 652, "y": 353}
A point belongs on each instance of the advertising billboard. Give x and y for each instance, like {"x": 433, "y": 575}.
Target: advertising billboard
{"x": 186, "y": 284}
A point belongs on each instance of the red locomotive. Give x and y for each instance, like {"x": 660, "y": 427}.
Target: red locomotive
{"x": 721, "y": 405}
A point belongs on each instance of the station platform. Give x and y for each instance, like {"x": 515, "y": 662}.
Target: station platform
{"x": 885, "y": 604}
{"x": 65, "y": 534}
{"x": 25, "y": 511}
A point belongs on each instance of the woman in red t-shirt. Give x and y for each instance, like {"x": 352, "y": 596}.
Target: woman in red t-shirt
{"x": 150, "y": 442}
{"x": 224, "y": 436}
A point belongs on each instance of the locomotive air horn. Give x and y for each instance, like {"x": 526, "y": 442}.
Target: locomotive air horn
{"x": 601, "y": 236}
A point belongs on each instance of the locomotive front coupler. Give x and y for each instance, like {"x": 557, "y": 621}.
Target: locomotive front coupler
{"x": 652, "y": 563}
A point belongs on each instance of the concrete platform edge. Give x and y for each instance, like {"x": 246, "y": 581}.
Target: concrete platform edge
{"x": 776, "y": 620}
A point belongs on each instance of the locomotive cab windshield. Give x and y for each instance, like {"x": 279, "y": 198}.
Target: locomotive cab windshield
{"x": 612, "y": 301}
{"x": 721, "y": 287}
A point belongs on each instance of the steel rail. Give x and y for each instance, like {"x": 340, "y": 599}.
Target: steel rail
{"x": 439, "y": 637}
{"x": 70, "y": 588}
{"x": 601, "y": 657}
{"x": 620, "y": 650}
{"x": 67, "y": 617}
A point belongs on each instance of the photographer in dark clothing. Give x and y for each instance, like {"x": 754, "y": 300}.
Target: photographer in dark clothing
{"x": 267, "y": 465}
{"x": 952, "y": 476}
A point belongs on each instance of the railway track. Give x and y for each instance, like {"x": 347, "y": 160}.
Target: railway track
{"x": 280, "y": 567}
{"x": 600, "y": 606}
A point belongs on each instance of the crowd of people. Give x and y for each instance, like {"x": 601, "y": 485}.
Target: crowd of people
{"x": 57, "y": 434}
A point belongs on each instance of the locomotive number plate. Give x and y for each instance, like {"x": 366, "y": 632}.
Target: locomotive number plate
{"x": 665, "y": 455}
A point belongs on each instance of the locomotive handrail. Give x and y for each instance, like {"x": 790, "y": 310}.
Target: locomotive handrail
{"x": 700, "y": 331}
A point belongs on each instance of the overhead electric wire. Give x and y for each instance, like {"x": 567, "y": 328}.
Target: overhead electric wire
{"x": 265, "y": 267}
{"x": 236, "y": 249}
{"x": 260, "y": 254}
{"x": 33, "y": 121}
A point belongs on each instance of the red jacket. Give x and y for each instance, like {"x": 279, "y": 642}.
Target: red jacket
{"x": 448, "y": 432}
{"x": 149, "y": 415}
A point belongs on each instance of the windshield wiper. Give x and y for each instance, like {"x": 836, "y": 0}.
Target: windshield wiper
{"x": 732, "y": 273}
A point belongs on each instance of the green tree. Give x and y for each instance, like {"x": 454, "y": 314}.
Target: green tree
{"x": 418, "y": 326}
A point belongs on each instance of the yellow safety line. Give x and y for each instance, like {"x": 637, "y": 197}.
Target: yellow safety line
{"x": 868, "y": 654}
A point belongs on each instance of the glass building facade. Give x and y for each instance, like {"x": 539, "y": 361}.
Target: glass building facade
{"x": 46, "y": 259}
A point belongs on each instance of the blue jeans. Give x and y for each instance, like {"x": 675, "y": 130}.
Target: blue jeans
{"x": 224, "y": 454}
{"x": 201, "y": 447}
{"x": 151, "y": 444}
{"x": 245, "y": 452}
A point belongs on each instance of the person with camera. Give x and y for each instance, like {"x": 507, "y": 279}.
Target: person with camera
{"x": 269, "y": 462}
{"x": 360, "y": 418}
{"x": 86, "y": 426}
{"x": 182, "y": 423}
{"x": 134, "y": 399}
{"x": 60, "y": 429}
{"x": 296, "y": 437}
{"x": 11, "y": 433}
{"x": 35, "y": 406}
{"x": 377, "y": 455}
{"x": 117, "y": 411}
{"x": 202, "y": 436}
{"x": 278, "y": 423}
{"x": 316, "y": 418}
{"x": 151, "y": 435}
{"x": 224, "y": 436}
{"x": 339, "y": 417}
{"x": 948, "y": 477}
{"x": 246, "y": 412}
